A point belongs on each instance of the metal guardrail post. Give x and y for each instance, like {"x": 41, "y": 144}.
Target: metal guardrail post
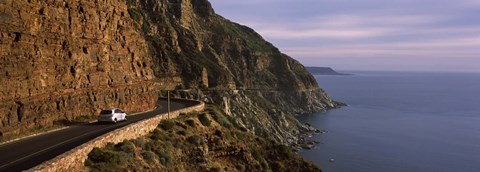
{"x": 168, "y": 100}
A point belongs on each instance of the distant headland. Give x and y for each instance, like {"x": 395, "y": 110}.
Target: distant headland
{"x": 324, "y": 71}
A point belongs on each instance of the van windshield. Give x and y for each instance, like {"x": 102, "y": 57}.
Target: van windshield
{"x": 106, "y": 112}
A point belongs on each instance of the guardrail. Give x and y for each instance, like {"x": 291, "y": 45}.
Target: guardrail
{"x": 74, "y": 159}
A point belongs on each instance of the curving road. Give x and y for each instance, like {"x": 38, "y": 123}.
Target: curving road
{"x": 27, "y": 153}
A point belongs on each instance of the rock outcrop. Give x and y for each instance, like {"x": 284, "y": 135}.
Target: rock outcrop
{"x": 62, "y": 59}
{"x": 229, "y": 64}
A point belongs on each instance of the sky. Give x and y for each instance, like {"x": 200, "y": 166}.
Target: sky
{"x": 402, "y": 35}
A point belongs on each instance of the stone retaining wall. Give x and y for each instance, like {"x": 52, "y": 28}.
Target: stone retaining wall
{"x": 74, "y": 159}
{"x": 61, "y": 59}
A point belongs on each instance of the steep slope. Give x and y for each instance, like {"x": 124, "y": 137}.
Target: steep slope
{"x": 204, "y": 141}
{"x": 230, "y": 64}
{"x": 60, "y": 60}
{"x": 64, "y": 59}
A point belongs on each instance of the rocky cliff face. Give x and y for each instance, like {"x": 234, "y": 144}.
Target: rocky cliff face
{"x": 229, "y": 64}
{"x": 62, "y": 59}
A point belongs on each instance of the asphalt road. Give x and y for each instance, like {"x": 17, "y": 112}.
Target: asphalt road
{"x": 27, "y": 153}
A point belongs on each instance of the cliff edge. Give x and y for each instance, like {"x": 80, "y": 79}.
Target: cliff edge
{"x": 60, "y": 60}
{"x": 222, "y": 62}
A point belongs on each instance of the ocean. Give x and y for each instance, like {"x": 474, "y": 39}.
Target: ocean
{"x": 399, "y": 121}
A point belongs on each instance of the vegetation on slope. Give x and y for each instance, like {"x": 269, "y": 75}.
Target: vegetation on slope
{"x": 222, "y": 62}
{"x": 204, "y": 141}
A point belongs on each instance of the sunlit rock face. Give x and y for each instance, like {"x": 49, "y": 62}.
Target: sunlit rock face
{"x": 230, "y": 65}
{"x": 63, "y": 59}
{"x": 60, "y": 60}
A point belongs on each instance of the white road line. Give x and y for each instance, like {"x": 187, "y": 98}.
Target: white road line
{"x": 43, "y": 150}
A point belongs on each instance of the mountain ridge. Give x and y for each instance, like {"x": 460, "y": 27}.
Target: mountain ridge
{"x": 323, "y": 71}
{"x": 97, "y": 54}
{"x": 229, "y": 64}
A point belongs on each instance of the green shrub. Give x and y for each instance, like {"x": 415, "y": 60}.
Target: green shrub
{"x": 182, "y": 132}
{"x": 109, "y": 146}
{"x": 204, "y": 120}
{"x": 166, "y": 124}
{"x": 181, "y": 124}
{"x": 276, "y": 166}
{"x": 126, "y": 146}
{"x": 240, "y": 135}
{"x": 140, "y": 142}
{"x": 161, "y": 149}
{"x": 149, "y": 156}
{"x": 221, "y": 119}
{"x": 149, "y": 146}
{"x": 225, "y": 120}
{"x": 97, "y": 155}
{"x": 190, "y": 122}
{"x": 125, "y": 158}
{"x": 165, "y": 157}
{"x": 135, "y": 14}
{"x": 156, "y": 134}
{"x": 284, "y": 151}
{"x": 225, "y": 123}
{"x": 88, "y": 162}
{"x": 146, "y": 28}
{"x": 129, "y": 2}
{"x": 258, "y": 156}
{"x": 195, "y": 140}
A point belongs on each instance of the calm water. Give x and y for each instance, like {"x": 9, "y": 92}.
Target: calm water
{"x": 400, "y": 121}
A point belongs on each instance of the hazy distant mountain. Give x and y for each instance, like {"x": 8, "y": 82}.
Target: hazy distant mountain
{"x": 323, "y": 71}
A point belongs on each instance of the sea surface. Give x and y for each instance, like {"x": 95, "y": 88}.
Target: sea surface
{"x": 399, "y": 122}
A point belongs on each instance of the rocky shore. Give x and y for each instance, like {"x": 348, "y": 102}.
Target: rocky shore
{"x": 304, "y": 141}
